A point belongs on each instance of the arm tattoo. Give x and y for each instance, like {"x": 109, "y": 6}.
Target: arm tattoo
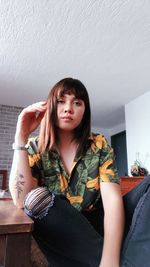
{"x": 19, "y": 183}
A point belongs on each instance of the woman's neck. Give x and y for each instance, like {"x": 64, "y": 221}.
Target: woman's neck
{"x": 67, "y": 147}
{"x": 65, "y": 138}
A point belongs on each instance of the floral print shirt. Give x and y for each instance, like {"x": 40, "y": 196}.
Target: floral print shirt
{"x": 89, "y": 170}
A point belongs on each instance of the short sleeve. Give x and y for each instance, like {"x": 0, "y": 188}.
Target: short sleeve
{"x": 107, "y": 169}
{"x": 34, "y": 158}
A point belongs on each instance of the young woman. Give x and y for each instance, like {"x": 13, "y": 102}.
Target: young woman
{"x": 66, "y": 180}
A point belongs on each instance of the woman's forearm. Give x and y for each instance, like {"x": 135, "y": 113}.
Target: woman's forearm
{"x": 113, "y": 234}
{"x": 21, "y": 180}
{"x": 113, "y": 226}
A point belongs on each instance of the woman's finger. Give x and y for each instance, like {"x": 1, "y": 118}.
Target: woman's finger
{"x": 36, "y": 107}
{"x": 39, "y": 116}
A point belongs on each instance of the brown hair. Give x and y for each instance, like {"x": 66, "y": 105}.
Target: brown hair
{"x": 48, "y": 129}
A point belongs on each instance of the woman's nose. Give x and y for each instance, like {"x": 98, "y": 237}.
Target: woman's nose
{"x": 68, "y": 108}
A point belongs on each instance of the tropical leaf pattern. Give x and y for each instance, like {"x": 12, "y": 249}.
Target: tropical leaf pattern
{"x": 81, "y": 188}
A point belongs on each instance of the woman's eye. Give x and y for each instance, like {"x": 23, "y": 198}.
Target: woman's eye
{"x": 77, "y": 103}
{"x": 60, "y": 101}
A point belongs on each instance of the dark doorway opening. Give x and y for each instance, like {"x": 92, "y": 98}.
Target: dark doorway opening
{"x": 118, "y": 143}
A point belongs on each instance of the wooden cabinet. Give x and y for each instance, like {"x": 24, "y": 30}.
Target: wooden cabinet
{"x": 127, "y": 183}
{"x": 3, "y": 179}
{"x": 15, "y": 236}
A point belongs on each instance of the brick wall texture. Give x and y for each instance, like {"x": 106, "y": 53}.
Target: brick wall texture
{"x": 8, "y": 120}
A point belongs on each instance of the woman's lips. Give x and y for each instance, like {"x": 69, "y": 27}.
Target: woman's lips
{"x": 67, "y": 118}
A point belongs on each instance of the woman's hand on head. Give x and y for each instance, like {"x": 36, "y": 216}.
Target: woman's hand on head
{"x": 29, "y": 119}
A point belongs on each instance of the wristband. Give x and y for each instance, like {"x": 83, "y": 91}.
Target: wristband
{"x": 17, "y": 147}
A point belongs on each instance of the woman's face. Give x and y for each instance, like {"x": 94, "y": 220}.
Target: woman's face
{"x": 70, "y": 112}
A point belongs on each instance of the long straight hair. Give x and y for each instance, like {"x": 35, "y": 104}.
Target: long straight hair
{"x": 48, "y": 129}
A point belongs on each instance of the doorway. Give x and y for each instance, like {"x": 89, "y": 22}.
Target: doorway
{"x": 118, "y": 143}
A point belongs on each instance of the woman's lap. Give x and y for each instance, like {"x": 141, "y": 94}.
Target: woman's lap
{"x": 68, "y": 239}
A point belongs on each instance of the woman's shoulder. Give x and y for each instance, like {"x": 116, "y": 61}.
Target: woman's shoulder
{"x": 95, "y": 136}
{"x": 99, "y": 140}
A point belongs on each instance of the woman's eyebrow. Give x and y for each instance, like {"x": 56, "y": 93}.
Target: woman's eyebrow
{"x": 65, "y": 95}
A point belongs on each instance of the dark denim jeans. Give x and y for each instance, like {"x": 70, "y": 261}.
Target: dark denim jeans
{"x": 136, "y": 245}
{"x": 68, "y": 239}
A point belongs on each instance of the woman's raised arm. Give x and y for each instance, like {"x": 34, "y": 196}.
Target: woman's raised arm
{"x": 21, "y": 180}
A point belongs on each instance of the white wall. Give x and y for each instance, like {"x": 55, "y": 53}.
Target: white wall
{"x": 117, "y": 129}
{"x": 137, "y": 115}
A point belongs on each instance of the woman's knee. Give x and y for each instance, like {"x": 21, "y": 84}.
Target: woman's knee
{"x": 38, "y": 202}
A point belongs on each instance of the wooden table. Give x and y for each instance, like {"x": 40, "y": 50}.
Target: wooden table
{"x": 128, "y": 183}
{"x": 15, "y": 236}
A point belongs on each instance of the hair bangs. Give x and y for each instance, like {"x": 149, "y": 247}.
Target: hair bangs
{"x": 72, "y": 87}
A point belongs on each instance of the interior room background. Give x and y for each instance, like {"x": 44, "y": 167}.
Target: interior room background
{"x": 105, "y": 44}
{"x": 137, "y": 127}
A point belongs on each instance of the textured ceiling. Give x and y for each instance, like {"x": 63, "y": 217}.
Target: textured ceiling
{"x": 105, "y": 44}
